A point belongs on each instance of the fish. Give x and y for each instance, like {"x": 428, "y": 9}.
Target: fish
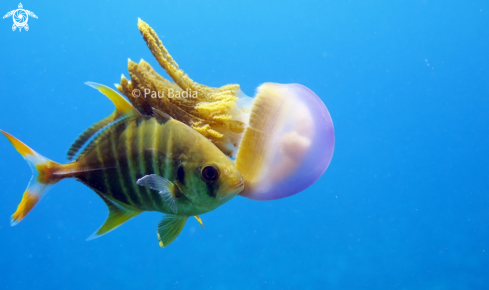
{"x": 138, "y": 163}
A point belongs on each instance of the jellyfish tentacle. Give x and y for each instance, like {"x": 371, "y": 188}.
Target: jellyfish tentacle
{"x": 166, "y": 60}
{"x": 211, "y": 111}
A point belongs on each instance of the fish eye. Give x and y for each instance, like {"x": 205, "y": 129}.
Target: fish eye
{"x": 210, "y": 173}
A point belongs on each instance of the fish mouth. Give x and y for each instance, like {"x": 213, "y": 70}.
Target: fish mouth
{"x": 231, "y": 190}
{"x": 239, "y": 184}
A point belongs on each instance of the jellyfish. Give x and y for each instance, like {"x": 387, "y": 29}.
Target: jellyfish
{"x": 282, "y": 139}
{"x": 288, "y": 142}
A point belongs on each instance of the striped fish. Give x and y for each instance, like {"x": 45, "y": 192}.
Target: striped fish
{"x": 139, "y": 163}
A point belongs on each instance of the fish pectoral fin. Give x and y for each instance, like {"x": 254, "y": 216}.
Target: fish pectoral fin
{"x": 117, "y": 216}
{"x": 199, "y": 220}
{"x": 165, "y": 187}
{"x": 169, "y": 228}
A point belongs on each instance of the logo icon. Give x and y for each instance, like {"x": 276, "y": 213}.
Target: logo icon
{"x": 20, "y": 17}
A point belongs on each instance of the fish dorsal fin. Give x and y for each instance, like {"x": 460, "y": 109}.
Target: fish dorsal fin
{"x": 170, "y": 227}
{"x": 118, "y": 215}
{"x": 161, "y": 115}
{"x": 123, "y": 109}
{"x": 87, "y": 135}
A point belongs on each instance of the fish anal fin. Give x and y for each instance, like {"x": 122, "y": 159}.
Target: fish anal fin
{"x": 117, "y": 216}
{"x": 169, "y": 228}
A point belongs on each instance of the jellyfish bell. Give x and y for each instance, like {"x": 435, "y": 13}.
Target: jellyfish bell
{"x": 288, "y": 142}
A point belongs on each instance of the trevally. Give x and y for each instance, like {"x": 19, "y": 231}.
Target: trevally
{"x": 139, "y": 163}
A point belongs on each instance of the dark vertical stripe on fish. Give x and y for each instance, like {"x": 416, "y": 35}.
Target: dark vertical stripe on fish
{"x": 181, "y": 174}
{"x": 133, "y": 152}
{"x": 168, "y": 155}
{"x": 95, "y": 178}
{"x": 121, "y": 164}
{"x": 154, "y": 195}
{"x": 141, "y": 125}
{"x": 155, "y": 161}
{"x": 127, "y": 168}
{"x": 148, "y": 155}
{"x": 103, "y": 170}
{"x": 116, "y": 183}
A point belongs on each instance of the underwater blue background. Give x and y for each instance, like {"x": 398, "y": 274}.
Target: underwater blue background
{"x": 404, "y": 203}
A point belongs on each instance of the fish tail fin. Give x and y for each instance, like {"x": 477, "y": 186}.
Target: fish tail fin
{"x": 43, "y": 178}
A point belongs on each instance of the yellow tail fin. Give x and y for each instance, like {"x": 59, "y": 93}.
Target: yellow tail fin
{"x": 40, "y": 183}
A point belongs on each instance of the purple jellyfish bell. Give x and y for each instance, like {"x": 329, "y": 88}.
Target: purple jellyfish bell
{"x": 288, "y": 143}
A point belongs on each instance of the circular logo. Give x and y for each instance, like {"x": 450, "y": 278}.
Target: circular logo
{"x": 20, "y": 17}
{"x": 136, "y": 93}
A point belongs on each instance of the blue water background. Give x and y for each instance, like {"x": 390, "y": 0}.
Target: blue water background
{"x": 403, "y": 205}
